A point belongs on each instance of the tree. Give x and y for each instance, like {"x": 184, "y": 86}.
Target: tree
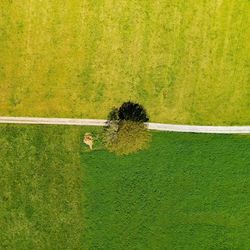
{"x": 130, "y": 137}
{"x": 125, "y": 131}
{"x": 113, "y": 115}
{"x": 130, "y": 111}
{"x": 110, "y": 133}
{"x": 111, "y": 128}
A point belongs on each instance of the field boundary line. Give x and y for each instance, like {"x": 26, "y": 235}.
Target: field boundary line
{"x": 150, "y": 125}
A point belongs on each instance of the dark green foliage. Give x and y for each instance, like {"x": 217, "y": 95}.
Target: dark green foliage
{"x": 113, "y": 115}
{"x": 132, "y": 112}
{"x": 125, "y": 132}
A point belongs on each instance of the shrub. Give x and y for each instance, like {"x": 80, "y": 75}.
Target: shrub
{"x": 113, "y": 115}
{"x": 111, "y": 133}
{"x": 125, "y": 131}
{"x": 130, "y": 137}
{"x": 130, "y": 111}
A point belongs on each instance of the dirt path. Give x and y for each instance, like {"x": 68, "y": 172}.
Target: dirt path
{"x": 152, "y": 126}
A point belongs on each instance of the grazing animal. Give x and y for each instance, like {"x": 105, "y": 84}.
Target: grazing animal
{"x": 88, "y": 140}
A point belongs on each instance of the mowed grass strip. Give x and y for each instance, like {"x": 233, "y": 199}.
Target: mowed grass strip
{"x": 41, "y": 192}
{"x": 185, "y": 61}
{"x": 187, "y": 191}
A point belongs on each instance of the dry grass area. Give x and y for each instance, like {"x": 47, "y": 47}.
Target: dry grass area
{"x": 185, "y": 61}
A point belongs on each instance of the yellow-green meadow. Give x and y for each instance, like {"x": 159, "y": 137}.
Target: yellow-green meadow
{"x": 185, "y": 61}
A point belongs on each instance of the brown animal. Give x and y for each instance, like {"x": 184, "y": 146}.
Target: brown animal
{"x": 88, "y": 140}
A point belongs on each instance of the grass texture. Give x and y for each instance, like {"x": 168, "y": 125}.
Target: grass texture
{"x": 186, "y": 191}
{"x": 41, "y": 193}
{"x": 185, "y": 61}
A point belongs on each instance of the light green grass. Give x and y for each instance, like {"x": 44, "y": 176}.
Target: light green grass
{"x": 185, "y": 61}
{"x": 186, "y": 191}
{"x": 41, "y": 192}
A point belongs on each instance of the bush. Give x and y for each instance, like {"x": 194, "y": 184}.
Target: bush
{"x": 130, "y": 137}
{"x": 113, "y": 115}
{"x": 125, "y": 131}
{"x": 130, "y": 111}
{"x": 111, "y": 133}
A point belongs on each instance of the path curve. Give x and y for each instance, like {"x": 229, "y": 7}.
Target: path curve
{"x": 152, "y": 126}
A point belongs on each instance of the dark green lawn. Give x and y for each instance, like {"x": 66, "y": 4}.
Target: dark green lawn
{"x": 187, "y": 191}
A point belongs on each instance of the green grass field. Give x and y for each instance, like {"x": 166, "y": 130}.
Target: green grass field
{"x": 41, "y": 192}
{"x": 185, "y": 61}
{"x": 186, "y": 191}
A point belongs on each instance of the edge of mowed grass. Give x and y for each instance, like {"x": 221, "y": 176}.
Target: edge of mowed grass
{"x": 188, "y": 191}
